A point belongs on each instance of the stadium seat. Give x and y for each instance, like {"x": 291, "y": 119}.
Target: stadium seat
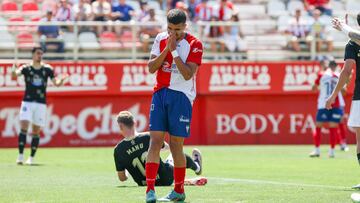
{"x": 14, "y": 27}
{"x": 8, "y": 6}
{"x": 127, "y": 40}
{"x": 258, "y": 26}
{"x": 276, "y": 8}
{"x": 70, "y": 40}
{"x": 3, "y": 26}
{"x": 283, "y": 22}
{"x": 155, "y": 5}
{"x": 7, "y": 41}
{"x": 134, "y": 4}
{"x": 251, "y": 11}
{"x": 25, "y": 40}
{"x": 108, "y": 40}
{"x": 293, "y": 5}
{"x": 30, "y": 6}
{"x": 353, "y": 6}
{"x": 340, "y": 8}
{"x": 88, "y": 40}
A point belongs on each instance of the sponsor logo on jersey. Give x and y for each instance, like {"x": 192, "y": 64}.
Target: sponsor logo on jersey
{"x": 300, "y": 77}
{"x": 196, "y": 50}
{"x": 136, "y": 78}
{"x": 239, "y": 78}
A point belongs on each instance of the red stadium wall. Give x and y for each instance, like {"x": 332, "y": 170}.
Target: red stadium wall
{"x": 237, "y": 103}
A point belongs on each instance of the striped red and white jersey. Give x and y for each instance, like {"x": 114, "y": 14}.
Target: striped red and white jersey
{"x": 190, "y": 49}
{"x": 327, "y": 82}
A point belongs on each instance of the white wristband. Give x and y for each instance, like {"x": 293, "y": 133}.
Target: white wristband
{"x": 347, "y": 29}
{"x": 174, "y": 54}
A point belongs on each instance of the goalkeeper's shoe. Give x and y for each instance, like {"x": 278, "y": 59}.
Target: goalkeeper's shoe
{"x": 20, "y": 159}
{"x": 173, "y": 197}
{"x": 196, "y": 156}
{"x": 150, "y": 196}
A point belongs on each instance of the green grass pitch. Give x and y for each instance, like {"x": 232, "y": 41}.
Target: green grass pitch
{"x": 235, "y": 174}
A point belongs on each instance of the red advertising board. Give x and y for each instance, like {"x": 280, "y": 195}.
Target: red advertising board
{"x": 237, "y": 103}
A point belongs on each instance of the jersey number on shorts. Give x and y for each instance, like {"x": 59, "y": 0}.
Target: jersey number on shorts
{"x": 139, "y": 164}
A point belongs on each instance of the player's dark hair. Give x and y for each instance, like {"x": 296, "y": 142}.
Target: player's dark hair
{"x": 358, "y": 18}
{"x": 332, "y": 64}
{"x": 126, "y": 118}
{"x": 34, "y": 49}
{"x": 176, "y": 16}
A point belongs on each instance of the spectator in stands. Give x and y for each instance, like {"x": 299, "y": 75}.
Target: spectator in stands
{"x": 233, "y": 38}
{"x": 144, "y": 10}
{"x": 83, "y": 12}
{"x": 64, "y": 14}
{"x": 101, "y": 10}
{"x": 49, "y": 5}
{"x": 149, "y": 32}
{"x": 318, "y": 31}
{"x": 225, "y": 10}
{"x": 122, "y": 12}
{"x": 298, "y": 28}
{"x": 215, "y": 35}
{"x": 322, "y": 5}
{"x": 50, "y": 34}
{"x": 203, "y": 11}
{"x": 192, "y": 4}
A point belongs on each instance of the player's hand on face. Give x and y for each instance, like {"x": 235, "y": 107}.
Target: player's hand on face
{"x": 329, "y": 102}
{"x": 172, "y": 42}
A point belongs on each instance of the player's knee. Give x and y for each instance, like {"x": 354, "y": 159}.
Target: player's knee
{"x": 156, "y": 144}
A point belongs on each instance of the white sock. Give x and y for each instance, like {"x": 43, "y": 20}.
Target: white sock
{"x": 317, "y": 150}
{"x": 21, "y": 156}
{"x": 197, "y": 167}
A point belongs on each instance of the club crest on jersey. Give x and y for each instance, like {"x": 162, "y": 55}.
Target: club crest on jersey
{"x": 37, "y": 81}
{"x": 24, "y": 108}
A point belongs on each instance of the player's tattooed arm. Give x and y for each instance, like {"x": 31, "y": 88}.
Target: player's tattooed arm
{"x": 342, "y": 25}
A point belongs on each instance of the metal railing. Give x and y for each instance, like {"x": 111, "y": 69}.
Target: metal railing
{"x": 258, "y": 49}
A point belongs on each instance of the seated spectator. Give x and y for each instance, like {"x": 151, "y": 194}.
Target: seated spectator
{"x": 233, "y": 38}
{"x": 203, "y": 11}
{"x": 192, "y": 4}
{"x": 83, "y": 12}
{"x": 149, "y": 32}
{"x": 298, "y": 28}
{"x": 50, "y": 35}
{"x": 64, "y": 14}
{"x": 122, "y": 12}
{"x": 318, "y": 30}
{"x": 101, "y": 10}
{"x": 322, "y": 5}
{"x": 144, "y": 10}
{"x": 225, "y": 10}
{"x": 214, "y": 35}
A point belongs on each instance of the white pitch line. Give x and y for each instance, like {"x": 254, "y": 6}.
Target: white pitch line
{"x": 276, "y": 183}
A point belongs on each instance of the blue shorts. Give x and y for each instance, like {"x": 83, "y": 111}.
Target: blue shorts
{"x": 332, "y": 115}
{"x": 171, "y": 112}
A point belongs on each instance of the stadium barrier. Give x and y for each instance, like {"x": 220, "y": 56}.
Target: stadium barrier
{"x": 237, "y": 103}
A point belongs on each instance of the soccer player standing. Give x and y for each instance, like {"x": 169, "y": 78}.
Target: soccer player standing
{"x": 352, "y": 58}
{"x": 33, "y": 105}
{"x": 175, "y": 57}
{"x": 326, "y": 82}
